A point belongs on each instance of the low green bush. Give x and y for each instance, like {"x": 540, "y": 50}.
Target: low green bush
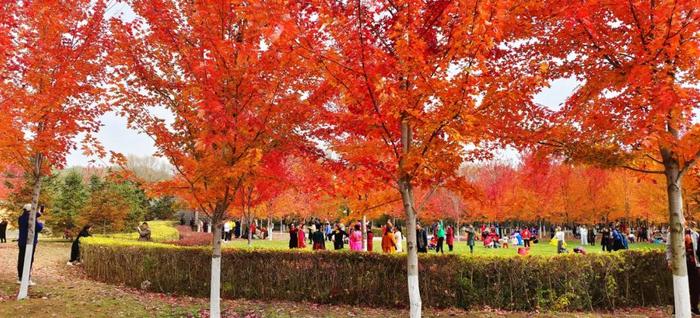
{"x": 567, "y": 282}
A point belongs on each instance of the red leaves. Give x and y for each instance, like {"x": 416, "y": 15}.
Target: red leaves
{"x": 52, "y": 70}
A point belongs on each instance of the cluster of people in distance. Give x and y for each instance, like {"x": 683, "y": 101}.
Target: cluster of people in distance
{"x": 392, "y": 237}
{"x": 319, "y": 233}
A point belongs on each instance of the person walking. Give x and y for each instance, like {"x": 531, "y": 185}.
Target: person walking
{"x": 471, "y": 237}
{"x": 398, "y": 236}
{"x": 318, "y": 238}
{"x": 144, "y": 232}
{"x": 450, "y": 237}
{"x": 3, "y": 231}
{"x": 293, "y": 236}
{"x": 422, "y": 239}
{"x": 356, "y": 239}
{"x": 388, "y": 241}
{"x": 441, "y": 238}
{"x": 75, "y": 247}
{"x": 23, "y": 222}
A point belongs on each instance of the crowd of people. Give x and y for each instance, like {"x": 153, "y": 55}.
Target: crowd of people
{"x": 319, "y": 233}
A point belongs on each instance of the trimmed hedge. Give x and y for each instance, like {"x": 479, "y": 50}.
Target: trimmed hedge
{"x": 567, "y": 282}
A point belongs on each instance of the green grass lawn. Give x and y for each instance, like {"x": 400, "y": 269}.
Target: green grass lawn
{"x": 543, "y": 248}
{"x": 161, "y": 231}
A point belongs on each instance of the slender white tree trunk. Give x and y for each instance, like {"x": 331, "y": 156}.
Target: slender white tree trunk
{"x": 412, "y": 259}
{"x": 681, "y": 290}
{"x": 270, "y": 227}
{"x": 406, "y": 190}
{"x": 27, "y": 262}
{"x": 215, "y": 293}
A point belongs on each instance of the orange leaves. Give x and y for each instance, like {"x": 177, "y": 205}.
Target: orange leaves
{"x": 232, "y": 86}
{"x": 51, "y": 70}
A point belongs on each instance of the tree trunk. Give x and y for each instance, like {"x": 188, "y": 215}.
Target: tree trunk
{"x": 27, "y": 262}
{"x": 364, "y": 233}
{"x": 270, "y": 227}
{"x": 406, "y": 190}
{"x": 215, "y": 293}
{"x": 412, "y": 259}
{"x": 681, "y": 290}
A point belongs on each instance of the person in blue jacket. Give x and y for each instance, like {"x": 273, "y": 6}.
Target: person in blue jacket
{"x": 23, "y": 222}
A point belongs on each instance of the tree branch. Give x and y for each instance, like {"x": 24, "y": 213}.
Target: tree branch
{"x": 643, "y": 170}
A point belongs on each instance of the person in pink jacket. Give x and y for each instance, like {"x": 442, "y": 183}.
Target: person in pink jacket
{"x": 356, "y": 239}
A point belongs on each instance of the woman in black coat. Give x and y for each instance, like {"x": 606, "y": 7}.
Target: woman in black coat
{"x": 75, "y": 248}
{"x": 293, "y": 236}
{"x": 338, "y": 235}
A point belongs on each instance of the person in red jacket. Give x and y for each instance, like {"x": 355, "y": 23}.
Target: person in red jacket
{"x": 526, "y": 237}
{"x": 370, "y": 239}
{"x": 450, "y": 237}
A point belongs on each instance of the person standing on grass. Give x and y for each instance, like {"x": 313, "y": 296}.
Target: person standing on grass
{"x": 617, "y": 243}
{"x": 23, "y": 222}
{"x": 450, "y": 238}
{"x": 3, "y": 231}
{"x": 144, "y": 232}
{"x": 422, "y": 239}
{"x": 561, "y": 240}
{"x": 591, "y": 235}
{"x": 327, "y": 230}
{"x": 583, "y": 232}
{"x": 441, "y": 238}
{"x": 605, "y": 239}
{"x": 318, "y": 238}
{"x": 227, "y": 231}
{"x": 526, "y": 235}
{"x": 388, "y": 241}
{"x": 75, "y": 248}
{"x": 398, "y": 236}
{"x": 293, "y": 236}
{"x": 471, "y": 237}
{"x": 338, "y": 235}
{"x": 370, "y": 238}
{"x": 302, "y": 237}
{"x": 356, "y": 238}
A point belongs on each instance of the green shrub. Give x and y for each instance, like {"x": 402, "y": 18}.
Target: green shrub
{"x": 567, "y": 282}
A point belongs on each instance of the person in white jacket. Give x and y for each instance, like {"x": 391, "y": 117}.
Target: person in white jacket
{"x": 559, "y": 235}
{"x": 584, "y": 235}
{"x": 399, "y": 239}
{"x": 227, "y": 230}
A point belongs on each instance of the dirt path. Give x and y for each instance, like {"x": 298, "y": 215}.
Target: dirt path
{"x": 64, "y": 291}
